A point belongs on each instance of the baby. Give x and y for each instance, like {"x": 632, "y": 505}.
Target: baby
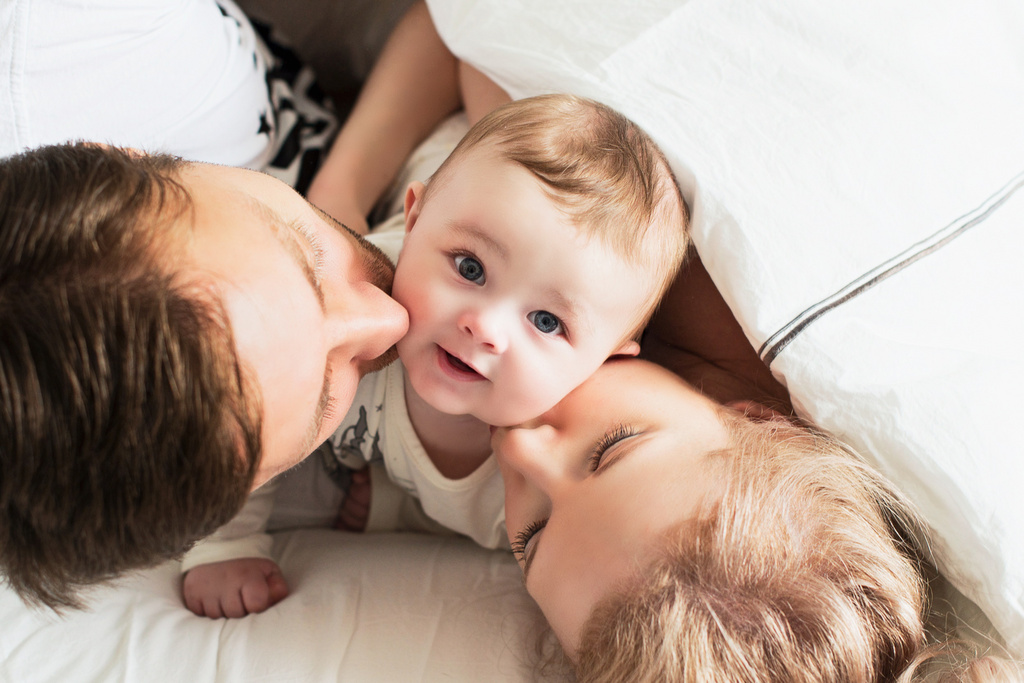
{"x": 538, "y": 249}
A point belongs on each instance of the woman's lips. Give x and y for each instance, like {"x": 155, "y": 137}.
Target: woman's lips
{"x": 455, "y": 368}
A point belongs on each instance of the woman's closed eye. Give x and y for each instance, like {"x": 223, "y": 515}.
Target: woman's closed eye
{"x": 613, "y": 436}
{"x": 521, "y": 545}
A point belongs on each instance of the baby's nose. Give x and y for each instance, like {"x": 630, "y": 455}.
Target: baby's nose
{"x": 487, "y": 328}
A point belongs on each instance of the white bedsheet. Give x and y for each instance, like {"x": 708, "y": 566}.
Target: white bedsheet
{"x": 384, "y": 607}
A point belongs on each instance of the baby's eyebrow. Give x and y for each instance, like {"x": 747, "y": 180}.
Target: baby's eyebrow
{"x": 471, "y": 231}
{"x": 571, "y": 312}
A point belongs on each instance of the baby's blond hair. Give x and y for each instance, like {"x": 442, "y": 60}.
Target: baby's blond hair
{"x": 605, "y": 172}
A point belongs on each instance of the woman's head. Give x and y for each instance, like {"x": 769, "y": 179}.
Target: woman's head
{"x": 803, "y": 570}
{"x": 707, "y": 546}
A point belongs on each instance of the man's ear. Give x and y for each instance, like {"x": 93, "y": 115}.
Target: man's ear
{"x": 627, "y": 348}
{"x": 413, "y": 203}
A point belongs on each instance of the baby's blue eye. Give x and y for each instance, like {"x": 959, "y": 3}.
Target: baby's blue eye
{"x": 470, "y": 268}
{"x": 545, "y": 322}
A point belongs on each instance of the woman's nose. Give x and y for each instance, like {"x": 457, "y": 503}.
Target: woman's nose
{"x": 533, "y": 452}
{"x": 485, "y": 326}
{"x": 367, "y": 322}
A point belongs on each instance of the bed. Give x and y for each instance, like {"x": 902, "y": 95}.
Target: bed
{"x": 856, "y": 172}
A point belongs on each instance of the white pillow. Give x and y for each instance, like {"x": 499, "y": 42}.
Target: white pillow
{"x": 856, "y": 175}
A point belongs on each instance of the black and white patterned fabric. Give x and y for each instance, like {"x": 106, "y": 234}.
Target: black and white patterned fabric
{"x": 303, "y": 122}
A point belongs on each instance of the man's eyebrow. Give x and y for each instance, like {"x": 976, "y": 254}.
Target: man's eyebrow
{"x": 286, "y": 234}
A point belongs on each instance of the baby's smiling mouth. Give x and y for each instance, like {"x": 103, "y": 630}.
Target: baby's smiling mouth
{"x": 459, "y": 365}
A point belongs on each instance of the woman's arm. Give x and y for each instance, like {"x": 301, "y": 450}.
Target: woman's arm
{"x": 479, "y": 93}
{"x": 413, "y": 86}
{"x": 695, "y": 334}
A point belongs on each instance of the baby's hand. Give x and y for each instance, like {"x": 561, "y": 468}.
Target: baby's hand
{"x": 355, "y": 509}
{"x": 234, "y": 588}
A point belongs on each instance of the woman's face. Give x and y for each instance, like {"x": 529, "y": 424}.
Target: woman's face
{"x": 593, "y": 484}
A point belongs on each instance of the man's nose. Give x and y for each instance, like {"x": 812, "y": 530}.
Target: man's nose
{"x": 486, "y": 327}
{"x": 368, "y": 323}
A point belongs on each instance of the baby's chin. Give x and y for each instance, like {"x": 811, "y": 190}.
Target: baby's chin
{"x": 492, "y": 411}
{"x": 502, "y": 416}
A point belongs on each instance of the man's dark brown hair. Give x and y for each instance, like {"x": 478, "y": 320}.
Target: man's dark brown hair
{"x": 125, "y": 431}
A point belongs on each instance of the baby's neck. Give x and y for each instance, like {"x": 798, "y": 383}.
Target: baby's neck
{"x": 456, "y": 444}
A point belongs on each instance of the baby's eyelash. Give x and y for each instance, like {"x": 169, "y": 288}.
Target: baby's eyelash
{"x": 611, "y": 437}
{"x": 523, "y": 538}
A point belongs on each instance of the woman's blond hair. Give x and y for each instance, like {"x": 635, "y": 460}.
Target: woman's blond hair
{"x": 806, "y": 569}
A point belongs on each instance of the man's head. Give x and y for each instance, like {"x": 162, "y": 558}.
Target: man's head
{"x": 138, "y": 403}
{"x": 538, "y": 249}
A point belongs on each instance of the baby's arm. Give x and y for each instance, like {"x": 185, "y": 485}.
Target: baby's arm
{"x": 230, "y": 574}
{"x": 413, "y": 86}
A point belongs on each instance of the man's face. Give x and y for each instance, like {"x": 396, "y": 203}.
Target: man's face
{"x": 307, "y": 301}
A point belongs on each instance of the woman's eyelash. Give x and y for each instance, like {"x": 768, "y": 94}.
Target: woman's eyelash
{"x": 522, "y": 539}
{"x": 612, "y": 437}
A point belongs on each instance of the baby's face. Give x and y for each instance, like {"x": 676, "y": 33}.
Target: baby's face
{"x": 510, "y": 307}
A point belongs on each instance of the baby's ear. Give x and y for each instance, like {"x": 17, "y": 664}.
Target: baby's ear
{"x": 628, "y": 348}
{"x": 413, "y": 203}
